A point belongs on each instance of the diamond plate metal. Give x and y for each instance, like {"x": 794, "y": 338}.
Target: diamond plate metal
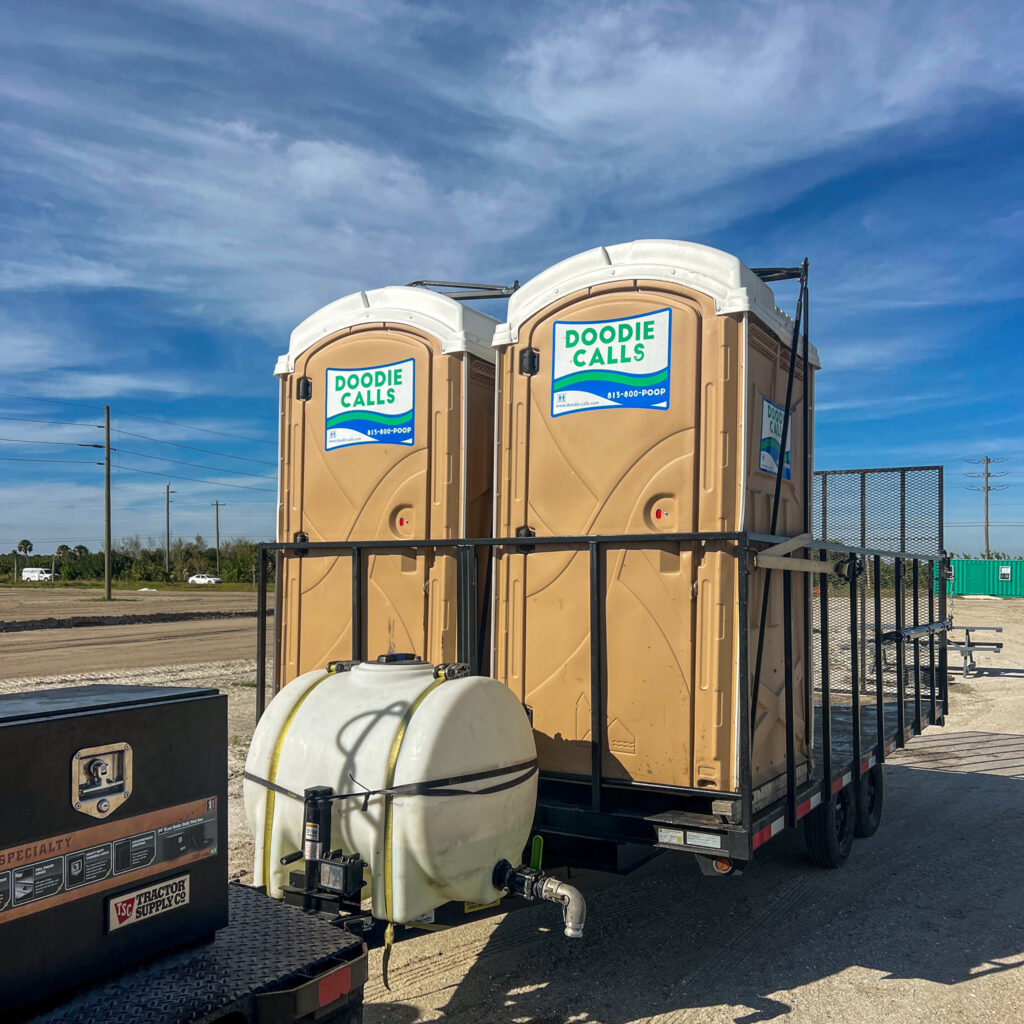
{"x": 266, "y": 945}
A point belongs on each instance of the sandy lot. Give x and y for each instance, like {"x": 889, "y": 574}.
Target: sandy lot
{"x": 105, "y": 648}
{"x": 924, "y": 923}
{"x": 39, "y": 602}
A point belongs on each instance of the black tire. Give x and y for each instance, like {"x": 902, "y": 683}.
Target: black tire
{"x": 870, "y": 800}
{"x": 828, "y": 829}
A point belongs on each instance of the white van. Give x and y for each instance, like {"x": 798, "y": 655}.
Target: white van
{"x": 39, "y": 575}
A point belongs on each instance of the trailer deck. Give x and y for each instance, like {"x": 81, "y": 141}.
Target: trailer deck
{"x": 273, "y": 964}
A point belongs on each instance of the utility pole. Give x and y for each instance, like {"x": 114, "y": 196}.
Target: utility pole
{"x": 167, "y": 518}
{"x": 217, "y": 506}
{"x": 106, "y": 503}
{"x": 987, "y": 487}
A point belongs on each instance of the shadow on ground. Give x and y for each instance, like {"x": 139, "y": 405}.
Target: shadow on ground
{"x": 935, "y": 896}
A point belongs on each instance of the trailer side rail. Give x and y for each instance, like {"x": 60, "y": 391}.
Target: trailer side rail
{"x": 878, "y": 668}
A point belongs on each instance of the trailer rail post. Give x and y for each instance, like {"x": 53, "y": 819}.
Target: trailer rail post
{"x": 932, "y": 572}
{"x": 944, "y": 642}
{"x": 275, "y": 660}
{"x": 596, "y": 674}
{"x": 855, "y": 661}
{"x": 357, "y": 602}
{"x": 466, "y": 602}
{"x": 901, "y": 656}
{"x": 915, "y": 579}
{"x": 826, "y": 695}
{"x": 879, "y": 680}
{"x": 745, "y": 782}
{"x": 787, "y": 626}
{"x": 261, "y": 631}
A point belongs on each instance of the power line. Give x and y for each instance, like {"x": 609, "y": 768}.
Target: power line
{"x": 192, "y": 448}
{"x": 209, "y": 483}
{"x": 189, "y": 426}
{"x": 58, "y": 423}
{"x": 51, "y": 401}
{"x": 67, "y": 462}
{"x": 139, "y": 416}
{"x": 67, "y": 444}
{"x": 986, "y": 487}
{"x": 195, "y": 465}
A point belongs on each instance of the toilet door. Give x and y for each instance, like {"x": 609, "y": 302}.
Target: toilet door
{"x": 606, "y": 422}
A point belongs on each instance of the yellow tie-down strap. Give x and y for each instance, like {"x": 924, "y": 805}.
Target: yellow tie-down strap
{"x": 275, "y": 758}
{"x": 396, "y": 746}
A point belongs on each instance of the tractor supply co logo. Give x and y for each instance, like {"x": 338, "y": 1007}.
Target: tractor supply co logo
{"x": 612, "y": 364}
{"x": 371, "y": 405}
{"x": 771, "y": 440}
{"x": 142, "y": 904}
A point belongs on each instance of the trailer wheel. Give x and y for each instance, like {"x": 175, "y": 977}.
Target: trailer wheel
{"x": 829, "y": 828}
{"x": 870, "y": 799}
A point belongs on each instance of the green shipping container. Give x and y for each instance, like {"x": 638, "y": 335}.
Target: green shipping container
{"x": 988, "y": 576}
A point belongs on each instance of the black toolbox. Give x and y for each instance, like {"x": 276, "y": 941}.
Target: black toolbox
{"x": 113, "y": 830}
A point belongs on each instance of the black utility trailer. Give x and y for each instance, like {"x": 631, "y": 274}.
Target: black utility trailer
{"x": 273, "y": 964}
{"x": 879, "y": 678}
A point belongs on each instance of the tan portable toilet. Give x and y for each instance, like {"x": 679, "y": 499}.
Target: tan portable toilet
{"x": 640, "y": 391}
{"x": 387, "y": 418}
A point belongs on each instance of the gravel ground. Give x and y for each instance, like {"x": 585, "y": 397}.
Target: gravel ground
{"x": 925, "y": 922}
{"x": 40, "y": 602}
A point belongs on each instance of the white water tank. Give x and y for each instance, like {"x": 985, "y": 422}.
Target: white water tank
{"x": 342, "y": 729}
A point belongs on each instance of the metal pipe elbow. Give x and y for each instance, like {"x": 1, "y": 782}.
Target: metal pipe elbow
{"x": 574, "y": 906}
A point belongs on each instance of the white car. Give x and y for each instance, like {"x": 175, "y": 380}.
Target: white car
{"x": 203, "y": 578}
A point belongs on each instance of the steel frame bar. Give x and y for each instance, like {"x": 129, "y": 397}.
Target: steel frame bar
{"x": 608, "y": 809}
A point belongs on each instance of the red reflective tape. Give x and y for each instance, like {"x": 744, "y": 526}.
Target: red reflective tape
{"x": 334, "y": 985}
{"x": 837, "y": 785}
{"x": 804, "y": 808}
{"x": 766, "y": 833}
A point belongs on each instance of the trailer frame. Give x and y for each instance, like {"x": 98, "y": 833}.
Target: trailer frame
{"x": 614, "y": 824}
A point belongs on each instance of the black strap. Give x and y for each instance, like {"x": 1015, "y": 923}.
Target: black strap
{"x": 433, "y": 787}
{"x": 272, "y": 785}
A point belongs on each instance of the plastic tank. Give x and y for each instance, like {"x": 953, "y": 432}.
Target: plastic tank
{"x": 651, "y": 403}
{"x": 378, "y": 391}
{"x": 339, "y": 729}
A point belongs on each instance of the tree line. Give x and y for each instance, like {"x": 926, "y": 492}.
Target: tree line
{"x": 134, "y": 561}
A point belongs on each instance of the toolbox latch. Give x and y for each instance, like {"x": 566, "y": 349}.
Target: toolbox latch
{"x": 101, "y": 779}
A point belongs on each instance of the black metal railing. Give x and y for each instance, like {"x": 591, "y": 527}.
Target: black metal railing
{"x": 836, "y": 684}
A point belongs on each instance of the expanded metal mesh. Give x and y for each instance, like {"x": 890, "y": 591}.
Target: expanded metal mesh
{"x": 898, "y": 509}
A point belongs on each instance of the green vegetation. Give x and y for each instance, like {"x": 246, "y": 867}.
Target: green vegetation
{"x": 134, "y": 564}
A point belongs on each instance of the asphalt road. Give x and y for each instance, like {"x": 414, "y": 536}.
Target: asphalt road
{"x": 56, "y": 652}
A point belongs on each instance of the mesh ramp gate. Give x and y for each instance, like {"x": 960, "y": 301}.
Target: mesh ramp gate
{"x": 898, "y": 509}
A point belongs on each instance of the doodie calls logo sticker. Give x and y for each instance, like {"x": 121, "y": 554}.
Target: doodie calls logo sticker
{"x": 371, "y": 405}
{"x": 611, "y": 364}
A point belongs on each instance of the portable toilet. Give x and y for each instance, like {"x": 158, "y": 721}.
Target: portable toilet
{"x": 387, "y": 420}
{"x": 640, "y": 391}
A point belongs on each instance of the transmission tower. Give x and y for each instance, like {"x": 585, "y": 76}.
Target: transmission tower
{"x": 986, "y": 475}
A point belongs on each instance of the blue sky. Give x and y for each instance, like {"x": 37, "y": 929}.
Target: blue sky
{"x": 183, "y": 181}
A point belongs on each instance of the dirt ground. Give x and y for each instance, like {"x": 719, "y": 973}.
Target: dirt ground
{"x": 41, "y": 602}
{"x": 924, "y": 923}
{"x": 105, "y": 648}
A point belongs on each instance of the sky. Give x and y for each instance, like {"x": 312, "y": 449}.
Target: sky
{"x": 184, "y": 181}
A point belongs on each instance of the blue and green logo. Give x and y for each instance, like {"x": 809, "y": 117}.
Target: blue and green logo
{"x": 370, "y": 405}
{"x": 611, "y": 364}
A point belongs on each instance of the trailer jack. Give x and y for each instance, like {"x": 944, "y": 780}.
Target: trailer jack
{"x": 531, "y": 884}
